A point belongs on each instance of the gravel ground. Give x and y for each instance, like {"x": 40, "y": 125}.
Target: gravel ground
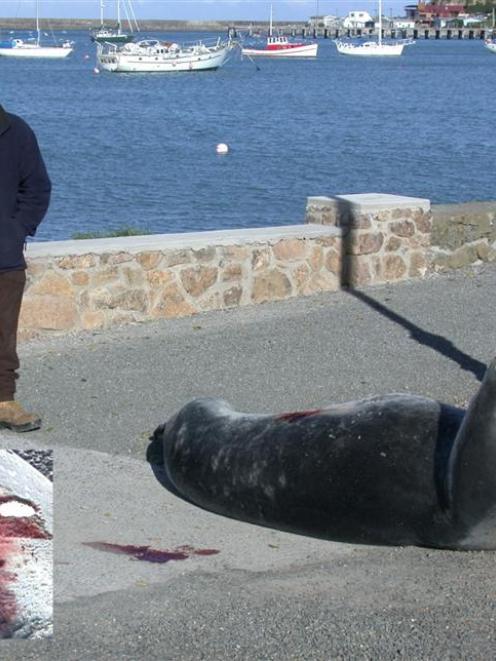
{"x": 42, "y": 460}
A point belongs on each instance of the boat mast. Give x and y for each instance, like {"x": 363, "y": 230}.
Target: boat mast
{"x": 37, "y": 23}
{"x": 380, "y": 22}
{"x": 101, "y": 12}
{"x": 128, "y": 5}
{"x": 270, "y": 24}
{"x": 119, "y": 16}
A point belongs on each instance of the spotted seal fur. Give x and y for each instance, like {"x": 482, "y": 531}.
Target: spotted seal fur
{"x": 391, "y": 470}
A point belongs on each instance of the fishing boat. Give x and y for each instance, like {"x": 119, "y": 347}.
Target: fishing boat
{"x": 490, "y": 44}
{"x": 33, "y": 48}
{"x": 152, "y": 55}
{"x": 377, "y": 48}
{"x": 280, "y": 46}
{"x": 116, "y": 35}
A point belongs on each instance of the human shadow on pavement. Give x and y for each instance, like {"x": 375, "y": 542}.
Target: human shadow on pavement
{"x": 436, "y": 342}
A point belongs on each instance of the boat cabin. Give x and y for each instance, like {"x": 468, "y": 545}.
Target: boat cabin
{"x": 277, "y": 42}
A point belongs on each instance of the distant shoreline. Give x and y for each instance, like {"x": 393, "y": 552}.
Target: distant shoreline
{"x": 151, "y": 25}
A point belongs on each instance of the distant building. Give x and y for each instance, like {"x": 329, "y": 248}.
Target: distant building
{"x": 429, "y": 14}
{"x": 411, "y": 12}
{"x": 331, "y": 21}
{"x": 358, "y": 20}
{"x": 472, "y": 19}
{"x": 404, "y": 23}
{"x": 387, "y": 22}
{"x": 323, "y": 22}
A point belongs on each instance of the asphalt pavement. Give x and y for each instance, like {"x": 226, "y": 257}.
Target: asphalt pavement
{"x": 235, "y": 590}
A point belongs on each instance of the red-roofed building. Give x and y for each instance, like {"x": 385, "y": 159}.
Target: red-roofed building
{"x": 428, "y": 13}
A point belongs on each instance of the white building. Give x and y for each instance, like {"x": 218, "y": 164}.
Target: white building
{"x": 328, "y": 21}
{"x": 404, "y": 24}
{"x": 357, "y": 20}
{"x": 331, "y": 21}
{"x": 472, "y": 20}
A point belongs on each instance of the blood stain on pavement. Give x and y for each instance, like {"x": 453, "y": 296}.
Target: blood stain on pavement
{"x": 151, "y": 555}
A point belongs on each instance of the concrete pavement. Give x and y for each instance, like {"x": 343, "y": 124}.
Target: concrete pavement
{"x": 265, "y": 594}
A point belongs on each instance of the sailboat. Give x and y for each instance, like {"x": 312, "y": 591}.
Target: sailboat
{"x": 152, "y": 55}
{"x": 490, "y": 44}
{"x": 33, "y": 47}
{"x": 115, "y": 35}
{"x": 279, "y": 46}
{"x": 373, "y": 48}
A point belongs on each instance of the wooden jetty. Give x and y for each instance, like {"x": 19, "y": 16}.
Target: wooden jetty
{"x": 420, "y": 32}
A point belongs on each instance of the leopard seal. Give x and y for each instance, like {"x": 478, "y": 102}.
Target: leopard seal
{"x": 388, "y": 470}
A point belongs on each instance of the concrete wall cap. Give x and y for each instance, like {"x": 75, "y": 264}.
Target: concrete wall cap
{"x": 320, "y": 200}
{"x": 137, "y": 244}
{"x": 370, "y": 202}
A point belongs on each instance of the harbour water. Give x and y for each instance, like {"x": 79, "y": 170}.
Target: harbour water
{"x": 139, "y": 149}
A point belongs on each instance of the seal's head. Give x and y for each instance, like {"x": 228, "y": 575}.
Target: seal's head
{"x": 155, "y": 452}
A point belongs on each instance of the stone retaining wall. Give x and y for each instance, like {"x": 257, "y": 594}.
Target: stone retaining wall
{"x": 385, "y": 237}
{"x": 463, "y": 234}
{"x": 95, "y": 284}
{"x": 346, "y": 240}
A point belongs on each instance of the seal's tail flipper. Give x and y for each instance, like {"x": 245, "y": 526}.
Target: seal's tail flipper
{"x": 472, "y": 468}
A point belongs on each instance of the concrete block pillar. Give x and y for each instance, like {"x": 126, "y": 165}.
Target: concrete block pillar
{"x": 385, "y": 238}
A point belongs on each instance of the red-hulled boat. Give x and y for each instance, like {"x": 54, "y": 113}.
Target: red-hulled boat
{"x": 280, "y": 46}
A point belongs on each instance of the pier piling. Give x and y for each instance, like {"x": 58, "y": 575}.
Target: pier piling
{"x": 419, "y": 32}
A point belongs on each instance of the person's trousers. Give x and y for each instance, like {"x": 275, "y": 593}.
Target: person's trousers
{"x": 11, "y": 289}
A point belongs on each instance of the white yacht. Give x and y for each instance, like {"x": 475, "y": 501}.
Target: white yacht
{"x": 152, "y": 55}
{"x": 377, "y": 48}
{"x": 490, "y": 44}
{"x": 371, "y": 48}
{"x": 33, "y": 48}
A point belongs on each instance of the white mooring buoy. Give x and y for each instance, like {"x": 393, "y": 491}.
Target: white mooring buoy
{"x": 222, "y": 148}
{"x": 96, "y": 70}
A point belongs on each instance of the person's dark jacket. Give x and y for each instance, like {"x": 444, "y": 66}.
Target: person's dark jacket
{"x": 24, "y": 189}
